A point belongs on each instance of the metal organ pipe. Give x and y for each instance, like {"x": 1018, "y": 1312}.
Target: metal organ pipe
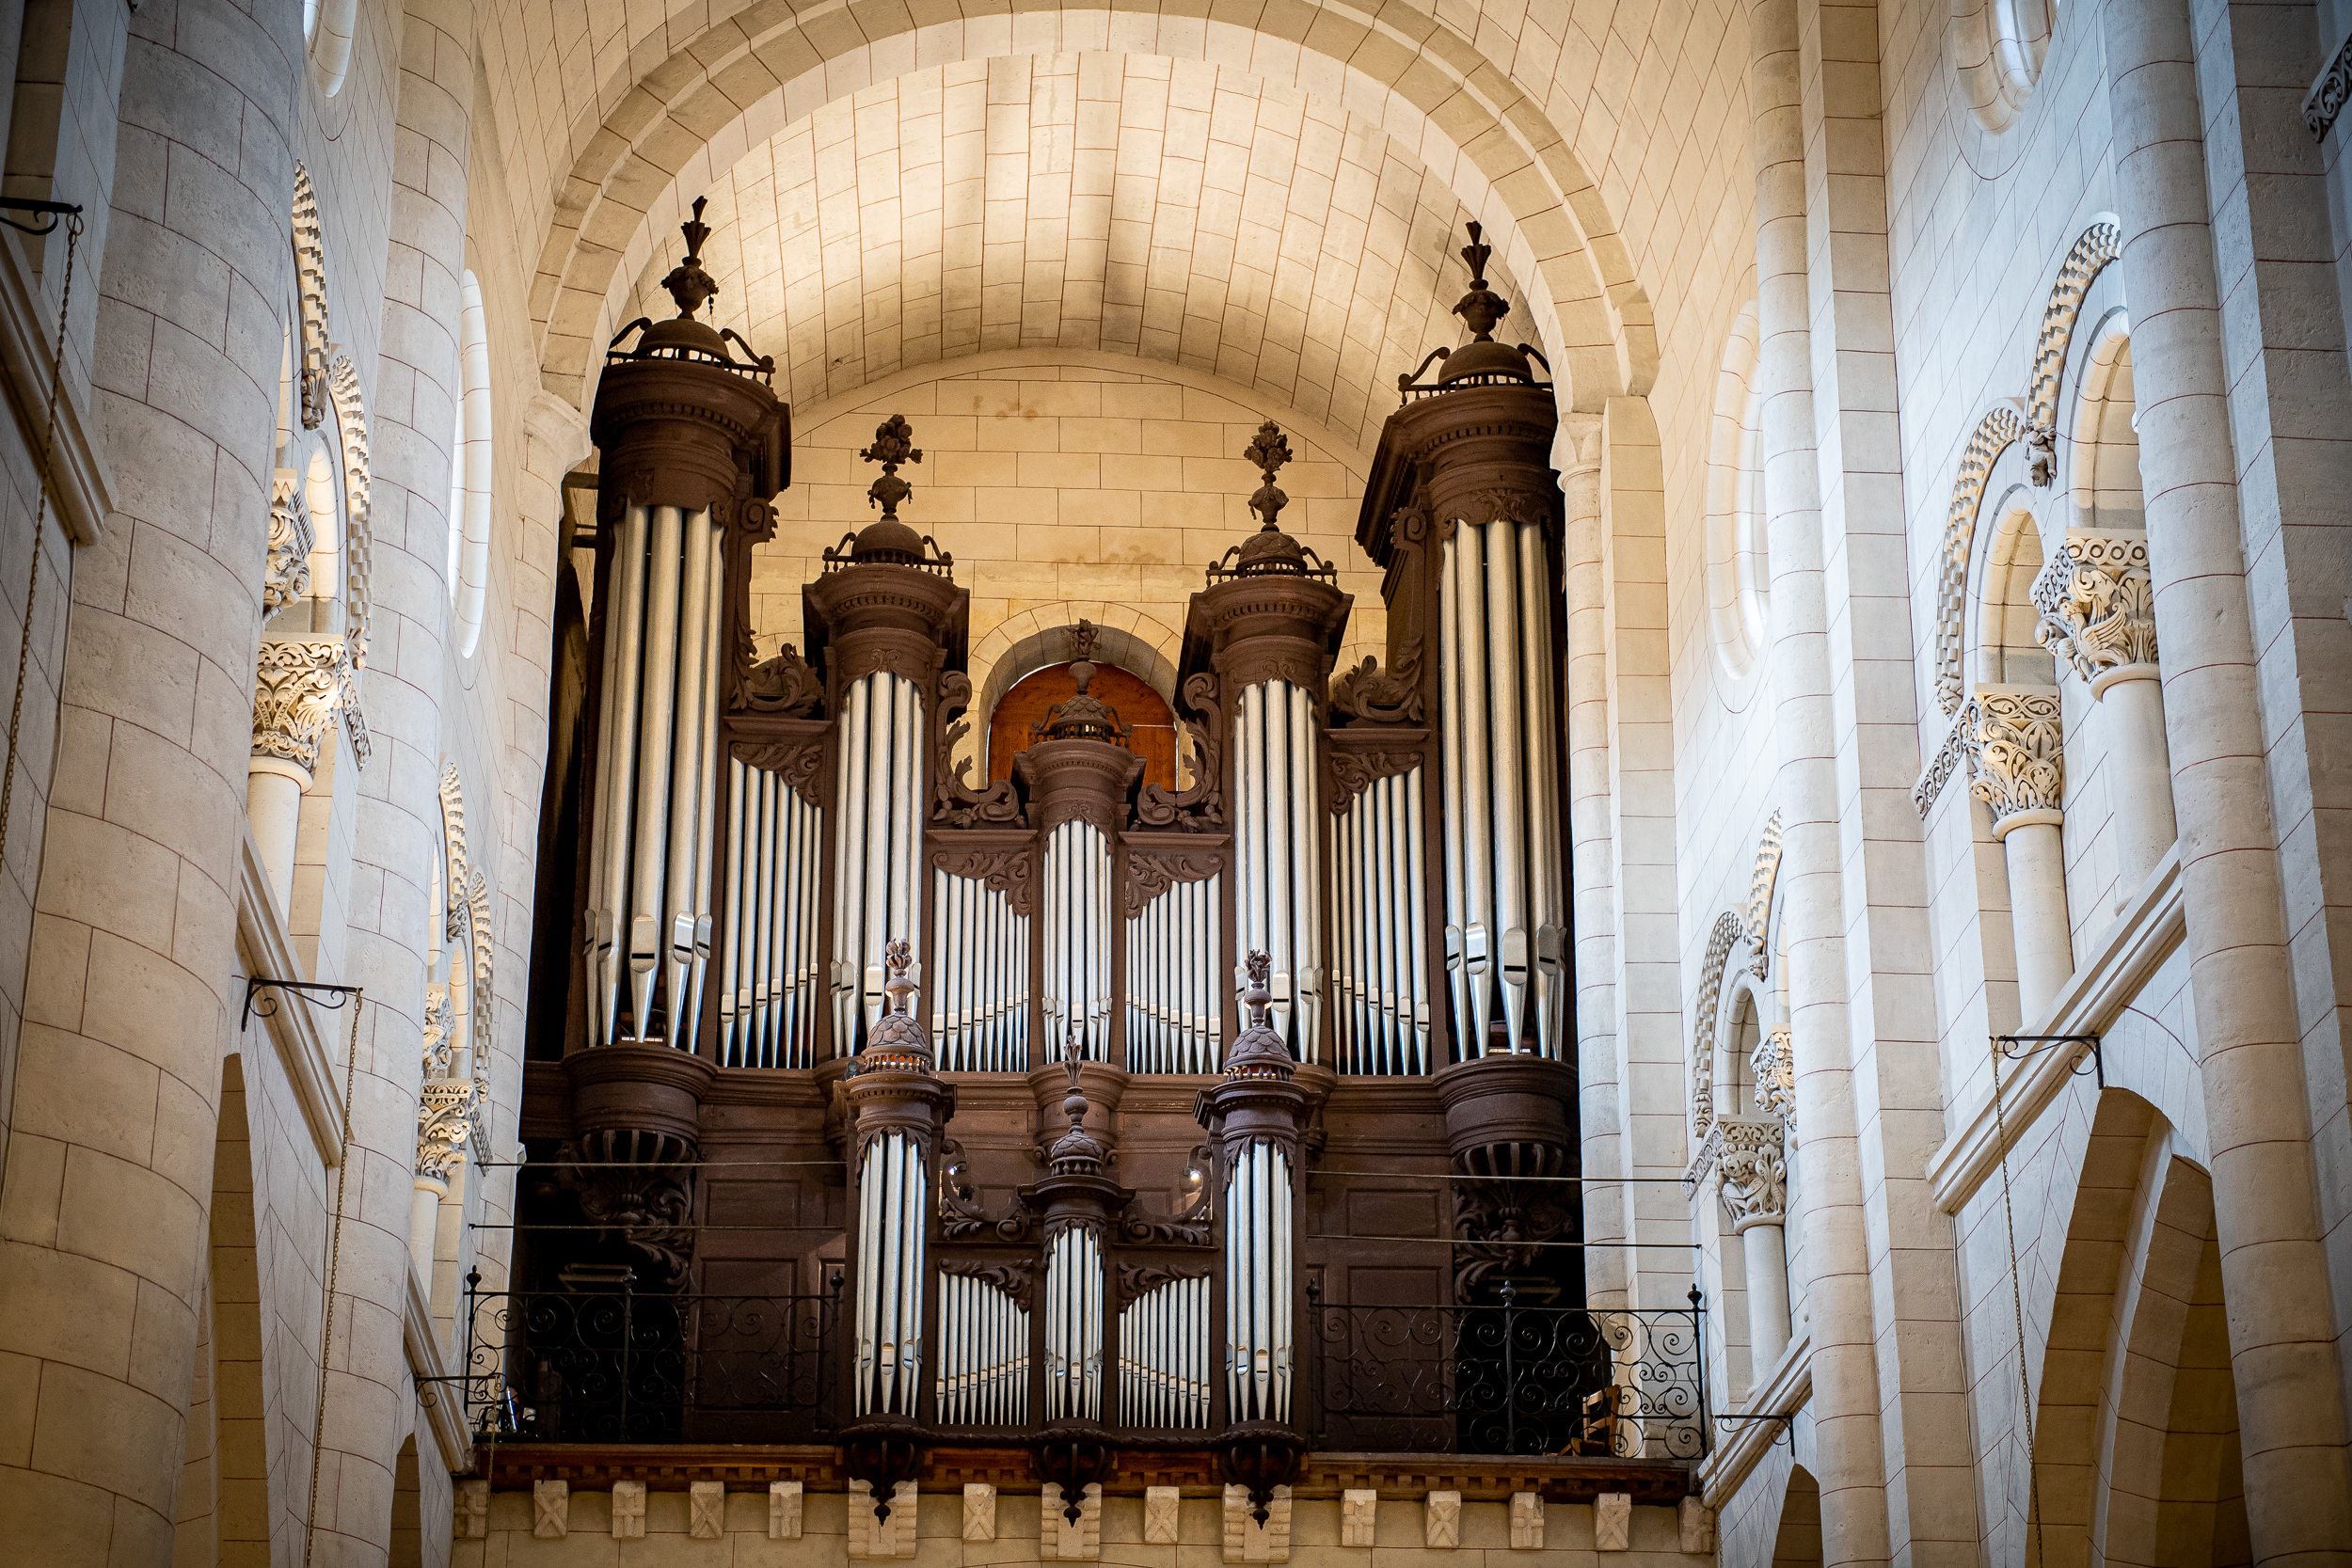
{"x": 1172, "y": 966}
{"x": 1505, "y": 900}
{"x": 1073, "y": 1325}
{"x": 981, "y": 1014}
{"x": 880, "y": 778}
{"x": 1163, "y": 1356}
{"x": 1376, "y": 891}
{"x": 1258, "y": 1264}
{"x": 768, "y": 963}
{"x": 894, "y": 1200}
{"x": 654, "y": 828}
{"x": 1077, "y": 939}
{"x": 983, "y": 1355}
{"x": 1278, "y": 835}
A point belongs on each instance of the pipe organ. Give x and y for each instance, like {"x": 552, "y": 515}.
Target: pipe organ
{"x": 808, "y": 941}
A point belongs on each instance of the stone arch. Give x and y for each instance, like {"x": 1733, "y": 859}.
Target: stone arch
{"x": 310, "y": 253}
{"x": 1797, "y": 1537}
{"x": 2086, "y": 259}
{"x": 728, "y": 87}
{"x": 404, "y": 1531}
{"x": 351, "y": 426}
{"x": 2000, "y": 427}
{"x": 2009, "y": 555}
{"x": 1739, "y": 572}
{"x": 1738, "y": 964}
{"x": 2104, "y": 448}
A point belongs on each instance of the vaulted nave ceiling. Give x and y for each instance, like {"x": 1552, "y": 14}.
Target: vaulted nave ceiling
{"x": 1606, "y": 158}
{"x": 1173, "y": 209}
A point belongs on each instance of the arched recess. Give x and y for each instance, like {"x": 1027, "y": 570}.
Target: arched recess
{"x": 471, "y": 469}
{"x": 404, "y": 1530}
{"x": 655, "y": 148}
{"x": 1152, "y": 727}
{"x": 1997, "y": 47}
{"x": 1739, "y": 568}
{"x": 2104, "y": 469}
{"x": 2005, "y": 649}
{"x": 1797, "y": 1541}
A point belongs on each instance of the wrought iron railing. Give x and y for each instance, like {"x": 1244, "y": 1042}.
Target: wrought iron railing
{"x": 622, "y": 1366}
{"x": 1509, "y": 1379}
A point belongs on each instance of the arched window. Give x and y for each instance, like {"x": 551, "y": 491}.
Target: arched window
{"x": 327, "y": 26}
{"x": 1997, "y": 49}
{"x": 1738, "y": 565}
{"x": 470, "y": 472}
{"x": 1139, "y": 708}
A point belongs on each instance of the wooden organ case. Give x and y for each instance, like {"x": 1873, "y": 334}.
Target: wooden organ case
{"x": 1069, "y": 1121}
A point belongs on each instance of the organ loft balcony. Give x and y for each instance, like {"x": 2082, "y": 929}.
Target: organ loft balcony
{"x": 1083, "y": 1086}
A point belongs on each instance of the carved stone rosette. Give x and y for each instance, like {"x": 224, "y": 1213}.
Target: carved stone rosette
{"x": 299, "y": 685}
{"x": 2097, "y": 605}
{"x": 286, "y": 569}
{"x": 1755, "y": 1171}
{"x": 2016, "y": 755}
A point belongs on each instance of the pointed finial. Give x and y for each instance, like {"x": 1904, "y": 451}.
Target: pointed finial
{"x": 894, "y": 444}
{"x": 1073, "y": 1104}
{"x": 896, "y": 958}
{"x": 1266, "y": 453}
{"x": 688, "y": 284}
{"x": 1482, "y": 306}
{"x": 1083, "y": 638}
{"x": 1258, "y": 996}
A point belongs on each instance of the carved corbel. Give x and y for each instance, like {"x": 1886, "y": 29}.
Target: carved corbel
{"x": 1372, "y": 695}
{"x": 2098, "y": 608}
{"x": 286, "y": 569}
{"x": 1754, "y": 1172}
{"x": 2016, "y": 752}
{"x": 445, "y": 1126}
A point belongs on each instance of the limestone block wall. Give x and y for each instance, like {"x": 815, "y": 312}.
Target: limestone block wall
{"x": 513, "y": 1537}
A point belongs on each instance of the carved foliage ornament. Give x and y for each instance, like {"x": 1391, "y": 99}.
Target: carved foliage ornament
{"x": 783, "y": 685}
{"x": 2328, "y": 96}
{"x": 1199, "y": 807}
{"x": 955, "y": 802}
{"x": 1353, "y": 772}
{"x": 1153, "y": 872}
{"x": 1011, "y": 871}
{"x": 286, "y": 569}
{"x": 1755, "y": 1174}
{"x": 2016, "y": 752}
{"x": 1775, "y": 1071}
{"x": 1371, "y": 695}
{"x": 797, "y": 761}
{"x": 2097, "y": 604}
{"x": 299, "y": 685}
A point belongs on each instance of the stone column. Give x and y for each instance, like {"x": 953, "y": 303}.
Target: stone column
{"x": 1755, "y": 1169}
{"x": 1847, "y": 1423}
{"x": 2094, "y": 595}
{"x": 2017, "y": 767}
{"x": 299, "y": 685}
{"x": 104, "y": 1210}
{"x": 2266, "y": 1208}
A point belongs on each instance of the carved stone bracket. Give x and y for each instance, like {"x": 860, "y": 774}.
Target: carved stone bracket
{"x": 1756, "y": 1173}
{"x": 300, "y": 684}
{"x": 2097, "y": 605}
{"x": 2016, "y": 754}
{"x": 286, "y": 569}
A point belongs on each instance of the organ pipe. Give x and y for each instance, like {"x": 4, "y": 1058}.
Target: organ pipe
{"x": 1505, "y": 918}
{"x": 983, "y": 1355}
{"x": 652, "y": 830}
{"x": 1164, "y": 1356}
{"x": 981, "y": 997}
{"x": 1073, "y": 1325}
{"x": 1378, "y": 892}
{"x": 893, "y": 1193}
{"x": 1277, "y": 838}
{"x": 1257, "y": 1276}
{"x": 768, "y": 962}
{"x": 1173, "y": 947}
{"x": 880, "y": 777}
{"x": 1077, "y": 986}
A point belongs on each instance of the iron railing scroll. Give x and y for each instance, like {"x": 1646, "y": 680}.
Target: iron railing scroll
{"x": 1508, "y": 1378}
{"x": 625, "y": 1366}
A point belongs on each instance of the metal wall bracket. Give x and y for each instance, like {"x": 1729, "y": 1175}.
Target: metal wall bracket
{"x": 255, "y": 985}
{"x": 2016, "y": 1048}
{"x": 57, "y": 211}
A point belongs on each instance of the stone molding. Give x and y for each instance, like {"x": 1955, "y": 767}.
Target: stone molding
{"x": 428, "y": 1363}
{"x": 351, "y": 424}
{"x": 286, "y": 564}
{"x": 310, "y": 251}
{"x": 264, "y": 947}
{"x": 2098, "y": 606}
{"x": 2086, "y": 259}
{"x": 2015, "y": 746}
{"x": 1754, "y": 1167}
{"x": 2127, "y": 953}
{"x": 81, "y": 486}
{"x": 1940, "y": 769}
{"x": 1747, "y": 928}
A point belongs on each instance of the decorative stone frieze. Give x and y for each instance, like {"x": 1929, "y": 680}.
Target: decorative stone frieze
{"x": 628, "y": 1510}
{"x": 707, "y": 1503}
{"x": 2098, "y": 610}
{"x": 1992, "y": 436}
{"x": 2016, "y": 755}
{"x": 310, "y": 249}
{"x": 1527, "y": 1521}
{"x": 1755, "y": 1172}
{"x": 1442, "y": 1528}
{"x": 351, "y": 428}
{"x": 2326, "y": 100}
{"x": 1761, "y": 880}
{"x": 299, "y": 685}
{"x": 286, "y": 567}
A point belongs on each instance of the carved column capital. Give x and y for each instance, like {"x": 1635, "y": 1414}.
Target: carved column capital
{"x": 446, "y": 1118}
{"x": 2016, "y": 755}
{"x": 2097, "y": 605}
{"x": 1775, "y": 1065}
{"x": 1756, "y": 1173}
{"x": 286, "y": 570}
{"x": 299, "y": 685}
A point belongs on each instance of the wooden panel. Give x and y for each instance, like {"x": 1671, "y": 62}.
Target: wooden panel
{"x": 1137, "y": 705}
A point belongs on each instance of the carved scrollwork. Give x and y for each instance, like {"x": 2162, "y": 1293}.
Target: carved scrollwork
{"x": 1136, "y": 1280}
{"x": 1755, "y": 1174}
{"x": 961, "y": 1216}
{"x": 1353, "y": 772}
{"x": 2097, "y": 604}
{"x": 1153, "y": 872}
{"x": 1011, "y": 871}
{"x": 286, "y": 569}
{"x": 955, "y": 802}
{"x": 1497, "y": 1227}
{"x": 299, "y": 685}
{"x": 650, "y": 1206}
{"x": 1017, "y": 1278}
{"x": 1201, "y": 806}
{"x": 782, "y": 684}
{"x": 797, "y": 761}
{"x": 446, "y": 1121}
{"x": 1371, "y": 695}
{"x": 2016, "y": 752}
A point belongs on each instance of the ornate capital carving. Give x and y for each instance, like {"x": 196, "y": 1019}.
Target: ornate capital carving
{"x": 1756, "y": 1173}
{"x": 447, "y": 1119}
{"x": 1773, "y": 1064}
{"x": 2097, "y": 604}
{"x": 299, "y": 685}
{"x": 286, "y": 570}
{"x": 2016, "y": 752}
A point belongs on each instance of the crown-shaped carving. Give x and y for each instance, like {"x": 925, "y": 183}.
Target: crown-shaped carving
{"x": 897, "y": 1043}
{"x": 1258, "y": 1052}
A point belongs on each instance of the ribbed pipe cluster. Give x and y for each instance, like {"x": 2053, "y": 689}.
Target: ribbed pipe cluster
{"x": 1278, "y": 843}
{"x": 768, "y": 992}
{"x": 1164, "y": 1356}
{"x": 1506, "y": 918}
{"x": 876, "y": 841}
{"x": 1173, "y": 1007}
{"x": 656, "y": 790}
{"x": 1073, "y": 1325}
{"x": 1380, "y": 888}
{"x": 1258, "y": 1264}
{"x": 1077, "y": 988}
{"x": 893, "y": 1203}
{"x": 980, "y": 992}
{"x": 983, "y": 1355}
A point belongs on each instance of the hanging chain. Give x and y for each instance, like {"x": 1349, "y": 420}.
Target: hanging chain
{"x": 41, "y": 516}
{"x": 334, "y": 1259}
{"x": 2017, "y": 1307}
